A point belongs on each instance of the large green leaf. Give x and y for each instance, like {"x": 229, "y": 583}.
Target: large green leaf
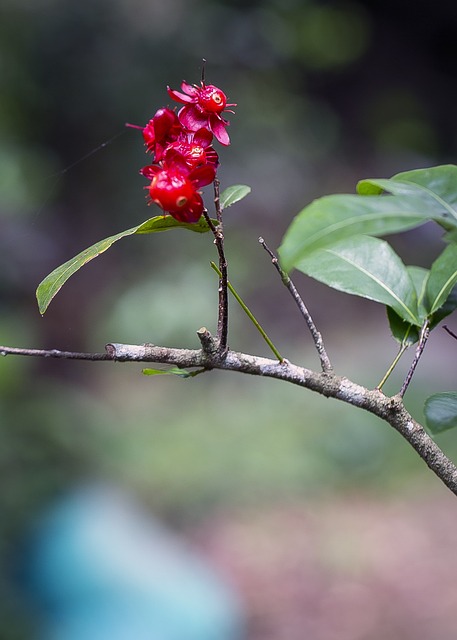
{"x": 233, "y": 194}
{"x": 336, "y": 217}
{"x": 436, "y": 186}
{"x": 442, "y": 279}
{"x": 52, "y": 284}
{"x": 415, "y": 196}
{"x": 441, "y": 411}
{"x": 367, "y": 267}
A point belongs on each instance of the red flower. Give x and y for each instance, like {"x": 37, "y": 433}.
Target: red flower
{"x": 203, "y": 109}
{"x": 174, "y": 186}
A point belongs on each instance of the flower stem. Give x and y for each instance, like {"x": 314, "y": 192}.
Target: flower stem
{"x": 401, "y": 351}
{"x": 218, "y": 233}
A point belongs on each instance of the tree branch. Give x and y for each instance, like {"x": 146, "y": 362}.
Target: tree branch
{"x": 391, "y": 410}
{"x": 54, "y": 353}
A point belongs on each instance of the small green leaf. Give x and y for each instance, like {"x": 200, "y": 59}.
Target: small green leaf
{"x": 233, "y": 194}
{"x": 367, "y": 267}
{"x": 404, "y": 332}
{"x": 52, "y": 284}
{"x": 419, "y": 277}
{"x": 443, "y": 277}
{"x": 173, "y": 371}
{"x": 441, "y": 411}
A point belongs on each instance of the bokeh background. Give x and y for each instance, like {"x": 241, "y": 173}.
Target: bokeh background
{"x": 325, "y": 522}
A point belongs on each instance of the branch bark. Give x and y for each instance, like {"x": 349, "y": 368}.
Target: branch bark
{"x": 389, "y": 409}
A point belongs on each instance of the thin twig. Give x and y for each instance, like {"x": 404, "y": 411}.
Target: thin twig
{"x": 317, "y": 337}
{"x": 250, "y": 315}
{"x": 54, "y": 353}
{"x": 218, "y": 233}
{"x": 424, "y": 334}
{"x": 451, "y": 333}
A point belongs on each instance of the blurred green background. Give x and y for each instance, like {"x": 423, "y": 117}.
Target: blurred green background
{"x": 327, "y": 93}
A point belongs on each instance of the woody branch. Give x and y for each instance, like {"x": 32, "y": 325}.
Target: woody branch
{"x": 389, "y": 409}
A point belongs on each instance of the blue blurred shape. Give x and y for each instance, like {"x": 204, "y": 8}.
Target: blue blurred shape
{"x": 101, "y": 568}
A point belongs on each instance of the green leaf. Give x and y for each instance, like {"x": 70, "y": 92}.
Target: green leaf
{"x": 419, "y": 277}
{"x": 333, "y": 218}
{"x": 402, "y": 331}
{"x": 173, "y": 371}
{"x": 448, "y": 307}
{"x": 233, "y": 194}
{"x": 441, "y": 411}
{"x": 166, "y": 223}
{"x": 442, "y": 279}
{"x": 367, "y": 267}
{"x": 435, "y": 186}
{"x": 451, "y": 236}
{"x": 52, "y": 284}
{"x": 415, "y": 196}
{"x": 406, "y": 333}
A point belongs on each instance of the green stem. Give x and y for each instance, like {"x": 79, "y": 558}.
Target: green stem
{"x": 250, "y": 315}
{"x": 401, "y": 351}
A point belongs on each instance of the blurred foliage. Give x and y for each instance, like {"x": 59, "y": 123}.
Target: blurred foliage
{"x": 327, "y": 92}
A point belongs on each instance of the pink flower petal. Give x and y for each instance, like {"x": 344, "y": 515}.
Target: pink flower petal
{"x": 179, "y": 97}
{"x": 218, "y": 128}
{"x": 212, "y": 157}
{"x": 202, "y": 176}
{"x": 176, "y": 161}
{"x": 150, "y": 171}
{"x": 191, "y": 118}
{"x": 189, "y": 89}
{"x": 203, "y": 137}
{"x": 166, "y": 125}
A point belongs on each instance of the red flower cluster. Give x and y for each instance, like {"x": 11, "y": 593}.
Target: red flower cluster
{"x": 181, "y": 144}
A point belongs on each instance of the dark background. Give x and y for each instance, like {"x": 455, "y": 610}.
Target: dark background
{"x": 327, "y": 93}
